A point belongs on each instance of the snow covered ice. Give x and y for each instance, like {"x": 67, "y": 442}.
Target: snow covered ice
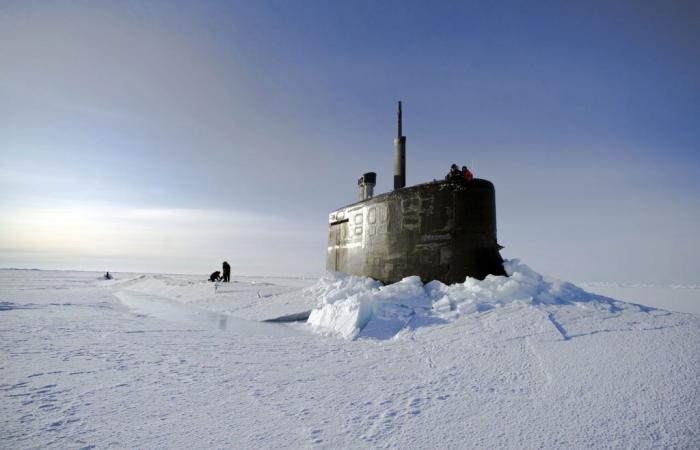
{"x": 351, "y": 306}
{"x": 171, "y": 361}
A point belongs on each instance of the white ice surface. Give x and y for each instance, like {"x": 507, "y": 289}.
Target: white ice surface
{"x": 160, "y": 361}
{"x": 673, "y": 297}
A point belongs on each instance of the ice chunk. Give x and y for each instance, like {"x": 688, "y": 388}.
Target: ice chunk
{"x": 352, "y": 306}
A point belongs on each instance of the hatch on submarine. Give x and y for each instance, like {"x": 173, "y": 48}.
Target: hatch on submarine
{"x": 438, "y": 230}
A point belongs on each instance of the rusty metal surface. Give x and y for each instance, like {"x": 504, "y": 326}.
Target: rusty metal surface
{"x": 439, "y": 231}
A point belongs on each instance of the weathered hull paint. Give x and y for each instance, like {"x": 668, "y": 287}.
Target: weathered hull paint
{"x": 439, "y": 231}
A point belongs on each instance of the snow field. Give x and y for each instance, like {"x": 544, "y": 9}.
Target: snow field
{"x": 522, "y": 362}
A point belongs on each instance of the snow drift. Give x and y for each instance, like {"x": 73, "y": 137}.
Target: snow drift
{"x": 352, "y": 307}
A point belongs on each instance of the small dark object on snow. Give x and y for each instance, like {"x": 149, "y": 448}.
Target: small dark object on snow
{"x": 107, "y": 276}
{"x": 297, "y": 317}
{"x": 226, "y": 277}
{"x": 216, "y": 276}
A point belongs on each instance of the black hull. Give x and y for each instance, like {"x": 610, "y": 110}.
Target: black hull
{"x": 438, "y": 231}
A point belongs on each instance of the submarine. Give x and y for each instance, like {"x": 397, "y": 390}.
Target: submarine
{"x": 439, "y": 230}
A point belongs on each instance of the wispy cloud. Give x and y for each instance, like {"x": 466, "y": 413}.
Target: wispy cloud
{"x": 157, "y": 239}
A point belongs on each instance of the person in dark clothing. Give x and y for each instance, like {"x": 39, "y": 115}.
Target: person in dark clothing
{"x": 466, "y": 174}
{"x": 216, "y": 276}
{"x": 226, "y": 277}
{"x": 454, "y": 175}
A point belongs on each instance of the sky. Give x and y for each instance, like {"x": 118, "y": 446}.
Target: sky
{"x": 169, "y": 136}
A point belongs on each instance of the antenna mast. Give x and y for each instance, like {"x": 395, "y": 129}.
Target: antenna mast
{"x": 399, "y": 155}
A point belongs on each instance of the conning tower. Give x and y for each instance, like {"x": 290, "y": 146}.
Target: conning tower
{"x": 438, "y": 230}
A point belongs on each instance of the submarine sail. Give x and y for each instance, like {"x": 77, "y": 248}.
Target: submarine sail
{"x": 439, "y": 230}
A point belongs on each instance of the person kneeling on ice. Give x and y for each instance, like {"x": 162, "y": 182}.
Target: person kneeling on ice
{"x": 216, "y": 276}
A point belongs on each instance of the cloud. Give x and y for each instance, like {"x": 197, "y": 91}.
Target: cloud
{"x": 159, "y": 239}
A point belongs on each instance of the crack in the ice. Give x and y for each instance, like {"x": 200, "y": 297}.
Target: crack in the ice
{"x": 558, "y": 326}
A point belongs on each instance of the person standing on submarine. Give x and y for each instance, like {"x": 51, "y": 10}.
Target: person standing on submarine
{"x": 226, "y": 276}
{"x": 454, "y": 175}
{"x": 466, "y": 174}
